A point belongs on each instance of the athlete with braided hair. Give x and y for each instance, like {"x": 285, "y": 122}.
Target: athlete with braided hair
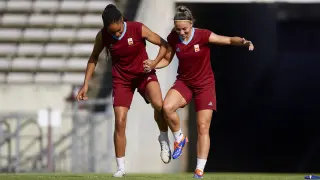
{"x": 126, "y": 42}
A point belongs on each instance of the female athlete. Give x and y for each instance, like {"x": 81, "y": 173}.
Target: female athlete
{"x": 195, "y": 80}
{"x": 126, "y": 42}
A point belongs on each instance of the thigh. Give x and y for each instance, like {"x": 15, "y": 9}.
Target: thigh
{"x": 205, "y": 98}
{"x": 122, "y": 95}
{"x": 178, "y": 96}
{"x": 149, "y": 88}
{"x": 204, "y": 120}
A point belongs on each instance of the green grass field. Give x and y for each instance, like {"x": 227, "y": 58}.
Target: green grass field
{"x": 215, "y": 176}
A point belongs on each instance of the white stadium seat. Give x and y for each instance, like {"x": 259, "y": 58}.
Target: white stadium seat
{"x": 72, "y": 5}
{"x": 14, "y": 19}
{"x": 41, "y": 19}
{"x": 10, "y": 34}
{"x": 96, "y": 5}
{"x": 37, "y": 34}
{"x": 8, "y": 49}
{"x": 2, "y": 77}
{"x": 20, "y": 5}
{"x": 52, "y": 63}
{"x": 4, "y": 63}
{"x": 30, "y": 49}
{"x": 92, "y": 20}
{"x": 73, "y": 78}
{"x": 16, "y": 77}
{"x": 77, "y": 63}
{"x": 24, "y": 63}
{"x": 57, "y": 49}
{"x": 62, "y": 33}
{"x": 47, "y": 5}
{"x": 2, "y": 5}
{"x": 66, "y": 19}
{"x": 47, "y": 78}
{"x": 87, "y": 34}
{"x": 82, "y": 49}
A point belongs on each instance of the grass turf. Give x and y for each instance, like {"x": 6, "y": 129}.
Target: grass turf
{"x": 214, "y": 176}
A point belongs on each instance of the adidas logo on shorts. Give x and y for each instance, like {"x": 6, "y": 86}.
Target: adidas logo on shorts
{"x": 210, "y": 104}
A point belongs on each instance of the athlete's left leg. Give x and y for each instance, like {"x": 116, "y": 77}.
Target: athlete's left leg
{"x": 150, "y": 90}
{"x": 205, "y": 105}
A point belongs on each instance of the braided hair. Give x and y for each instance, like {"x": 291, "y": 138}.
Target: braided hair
{"x": 111, "y": 15}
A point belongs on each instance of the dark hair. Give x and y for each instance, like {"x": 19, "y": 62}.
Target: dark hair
{"x": 111, "y": 15}
{"x": 183, "y": 13}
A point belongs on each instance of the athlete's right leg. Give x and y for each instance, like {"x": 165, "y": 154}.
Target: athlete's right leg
{"x": 122, "y": 98}
{"x": 177, "y": 97}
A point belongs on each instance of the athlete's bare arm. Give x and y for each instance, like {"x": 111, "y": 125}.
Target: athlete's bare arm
{"x": 225, "y": 40}
{"x": 167, "y": 59}
{"x": 156, "y": 40}
{"x": 98, "y": 47}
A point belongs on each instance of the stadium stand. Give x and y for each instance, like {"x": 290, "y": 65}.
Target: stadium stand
{"x": 47, "y": 41}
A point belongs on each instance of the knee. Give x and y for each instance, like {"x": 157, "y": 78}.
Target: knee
{"x": 168, "y": 108}
{"x": 157, "y": 105}
{"x": 203, "y": 129}
{"x": 120, "y": 124}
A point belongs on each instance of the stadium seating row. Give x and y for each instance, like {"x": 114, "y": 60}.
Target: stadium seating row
{"x": 53, "y": 5}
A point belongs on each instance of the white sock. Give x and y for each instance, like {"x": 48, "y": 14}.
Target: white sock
{"x": 164, "y": 135}
{"x": 201, "y": 163}
{"x": 178, "y": 135}
{"x": 120, "y": 163}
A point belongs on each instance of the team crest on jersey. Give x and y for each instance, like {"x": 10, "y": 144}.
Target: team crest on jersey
{"x": 196, "y": 48}
{"x": 130, "y": 41}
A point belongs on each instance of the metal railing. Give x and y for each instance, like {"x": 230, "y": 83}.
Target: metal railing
{"x": 70, "y": 144}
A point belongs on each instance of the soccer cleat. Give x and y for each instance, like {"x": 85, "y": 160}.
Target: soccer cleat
{"x": 178, "y": 146}
{"x": 119, "y": 174}
{"x": 198, "y": 174}
{"x": 165, "y": 153}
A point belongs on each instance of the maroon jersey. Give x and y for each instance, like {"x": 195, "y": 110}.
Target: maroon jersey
{"x": 127, "y": 52}
{"x": 194, "y": 58}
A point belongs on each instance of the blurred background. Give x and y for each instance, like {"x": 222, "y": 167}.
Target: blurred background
{"x": 268, "y": 100}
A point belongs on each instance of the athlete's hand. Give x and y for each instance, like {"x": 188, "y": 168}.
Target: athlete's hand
{"x": 82, "y": 94}
{"x": 149, "y": 65}
{"x": 248, "y": 44}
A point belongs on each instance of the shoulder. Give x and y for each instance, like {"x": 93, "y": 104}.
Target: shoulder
{"x": 202, "y": 32}
{"x": 134, "y": 24}
{"x": 173, "y": 36}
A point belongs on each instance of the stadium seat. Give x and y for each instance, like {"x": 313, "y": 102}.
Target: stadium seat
{"x": 57, "y": 49}
{"x": 10, "y": 34}
{"x": 7, "y": 49}
{"x": 14, "y": 19}
{"x": 51, "y": 63}
{"x": 62, "y": 34}
{"x": 19, "y": 5}
{"x": 92, "y": 20}
{"x": 72, "y": 5}
{"x": 2, "y": 77}
{"x": 35, "y": 34}
{"x": 77, "y": 64}
{"x": 82, "y": 49}
{"x": 41, "y": 19}
{"x": 48, "y": 5}
{"x": 2, "y": 5}
{"x": 47, "y": 78}
{"x": 30, "y": 49}
{"x": 87, "y": 34}
{"x": 24, "y": 63}
{"x": 73, "y": 78}
{"x": 4, "y": 63}
{"x": 68, "y": 20}
{"x": 96, "y": 5}
{"x": 19, "y": 77}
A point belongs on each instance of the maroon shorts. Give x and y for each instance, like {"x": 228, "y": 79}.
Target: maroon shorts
{"x": 204, "y": 97}
{"x": 122, "y": 93}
